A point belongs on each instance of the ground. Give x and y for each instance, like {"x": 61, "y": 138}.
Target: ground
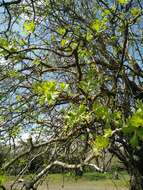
{"x": 89, "y": 181}
{"x": 81, "y": 186}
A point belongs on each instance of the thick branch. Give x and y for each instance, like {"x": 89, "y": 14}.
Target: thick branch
{"x": 65, "y": 165}
{"x": 10, "y": 3}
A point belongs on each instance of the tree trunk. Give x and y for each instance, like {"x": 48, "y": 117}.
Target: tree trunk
{"x": 133, "y": 162}
{"x": 136, "y": 181}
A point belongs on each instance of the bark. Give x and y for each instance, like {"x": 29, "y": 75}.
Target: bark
{"x": 133, "y": 163}
{"x": 136, "y": 181}
{"x": 136, "y": 168}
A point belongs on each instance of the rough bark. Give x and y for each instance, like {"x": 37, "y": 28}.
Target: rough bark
{"x": 136, "y": 181}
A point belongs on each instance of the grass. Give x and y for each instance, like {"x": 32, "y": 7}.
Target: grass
{"x": 88, "y": 176}
{"x": 89, "y": 179}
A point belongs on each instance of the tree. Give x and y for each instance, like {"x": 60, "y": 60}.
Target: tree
{"x": 71, "y": 74}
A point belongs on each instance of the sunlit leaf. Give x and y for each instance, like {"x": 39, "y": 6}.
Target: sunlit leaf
{"x": 64, "y": 42}
{"x": 135, "y": 11}
{"x": 61, "y": 30}
{"x": 99, "y": 143}
{"x": 96, "y": 25}
{"x": 123, "y": 1}
{"x": 89, "y": 36}
{"x": 36, "y": 61}
{"x": 64, "y": 86}
{"x": 107, "y": 133}
{"x": 29, "y": 26}
{"x": 47, "y": 91}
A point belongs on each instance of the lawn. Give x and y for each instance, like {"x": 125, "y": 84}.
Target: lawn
{"x": 89, "y": 181}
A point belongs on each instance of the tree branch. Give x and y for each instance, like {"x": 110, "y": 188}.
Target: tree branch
{"x": 10, "y": 3}
{"x": 64, "y": 165}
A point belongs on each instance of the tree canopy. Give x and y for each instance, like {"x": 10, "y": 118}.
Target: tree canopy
{"x": 71, "y": 76}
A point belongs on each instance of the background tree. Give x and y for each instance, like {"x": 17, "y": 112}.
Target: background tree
{"x": 71, "y": 76}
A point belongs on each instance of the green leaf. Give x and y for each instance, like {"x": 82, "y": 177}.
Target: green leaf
{"x": 134, "y": 140}
{"x": 127, "y": 128}
{"x": 107, "y": 133}
{"x": 4, "y": 42}
{"x": 100, "y": 143}
{"x": 123, "y": 2}
{"x": 140, "y": 133}
{"x": 89, "y": 36}
{"x": 77, "y": 115}
{"x": 106, "y": 12}
{"x": 47, "y": 91}
{"x": 64, "y": 42}
{"x": 18, "y": 97}
{"x": 101, "y": 111}
{"x": 15, "y": 131}
{"x": 36, "y": 61}
{"x": 29, "y": 26}
{"x": 135, "y": 11}
{"x": 84, "y": 85}
{"x": 95, "y": 25}
{"x": 22, "y": 42}
{"x": 137, "y": 119}
{"x": 13, "y": 74}
{"x": 73, "y": 45}
{"x": 99, "y": 25}
{"x": 64, "y": 86}
{"x": 134, "y": 122}
{"x": 61, "y": 30}
{"x": 3, "y": 179}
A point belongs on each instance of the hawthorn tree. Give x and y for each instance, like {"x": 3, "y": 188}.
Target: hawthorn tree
{"x": 71, "y": 76}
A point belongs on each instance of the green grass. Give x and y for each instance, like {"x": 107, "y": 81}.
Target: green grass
{"x": 97, "y": 176}
{"x": 90, "y": 177}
